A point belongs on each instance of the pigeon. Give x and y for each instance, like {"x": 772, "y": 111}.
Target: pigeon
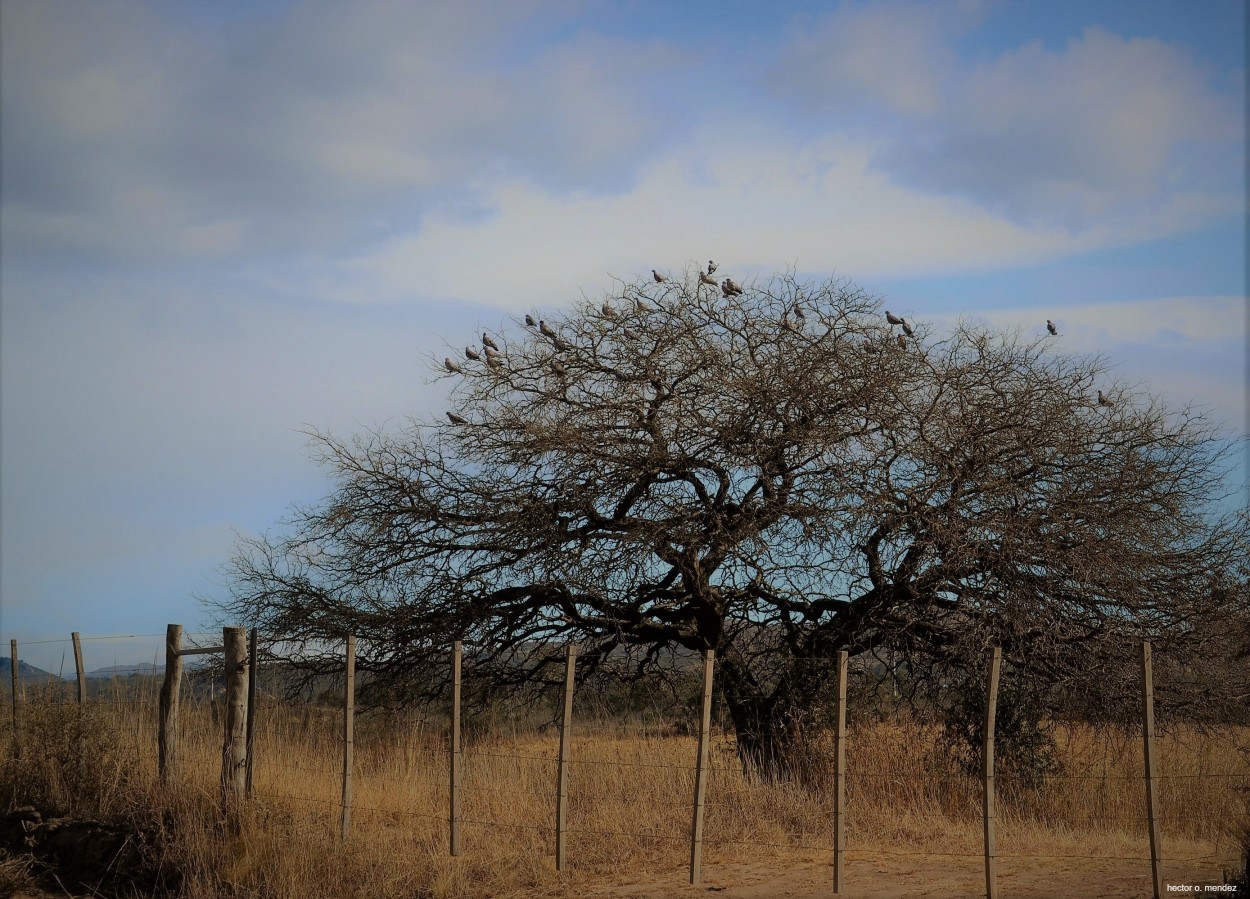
{"x": 486, "y": 341}
{"x": 799, "y": 313}
{"x": 546, "y": 328}
{"x": 470, "y": 353}
{"x": 1104, "y": 401}
{"x": 706, "y": 279}
{"x": 902, "y": 341}
{"x": 892, "y": 318}
{"x": 456, "y": 419}
{"x": 630, "y": 335}
{"x": 608, "y": 311}
{"x": 732, "y": 287}
{"x": 907, "y": 328}
{"x": 711, "y": 267}
{"x": 659, "y": 279}
{"x": 451, "y": 366}
{"x": 1050, "y": 326}
{"x": 640, "y": 305}
{"x": 494, "y": 360}
{"x": 529, "y": 320}
{"x": 787, "y": 324}
{"x": 557, "y": 367}
{"x": 725, "y": 291}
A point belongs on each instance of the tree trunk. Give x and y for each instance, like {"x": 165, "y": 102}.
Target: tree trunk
{"x": 771, "y": 727}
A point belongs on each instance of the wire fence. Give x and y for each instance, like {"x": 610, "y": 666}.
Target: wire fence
{"x": 680, "y": 789}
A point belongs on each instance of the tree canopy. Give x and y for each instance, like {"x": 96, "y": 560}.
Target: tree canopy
{"x": 773, "y": 471}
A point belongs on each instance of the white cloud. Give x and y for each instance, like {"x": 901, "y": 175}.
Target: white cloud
{"x": 757, "y": 204}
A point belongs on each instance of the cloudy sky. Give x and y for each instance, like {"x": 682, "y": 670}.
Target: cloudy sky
{"x": 221, "y": 223}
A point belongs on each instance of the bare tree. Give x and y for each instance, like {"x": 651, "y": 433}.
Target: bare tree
{"x": 696, "y": 470}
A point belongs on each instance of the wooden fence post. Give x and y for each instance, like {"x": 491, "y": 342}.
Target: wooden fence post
{"x": 78, "y": 668}
{"x": 1148, "y": 748}
{"x": 566, "y": 732}
{"x": 17, "y": 741}
{"x": 349, "y": 727}
{"x": 234, "y": 744}
{"x": 991, "y": 708}
{"x": 170, "y": 688}
{"x": 251, "y": 706}
{"x": 454, "y": 804}
{"x": 700, "y": 771}
{"x": 839, "y": 778}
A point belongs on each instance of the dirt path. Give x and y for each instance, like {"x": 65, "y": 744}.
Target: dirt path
{"x": 900, "y": 878}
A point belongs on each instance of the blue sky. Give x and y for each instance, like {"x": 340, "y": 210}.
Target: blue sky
{"x": 221, "y": 223}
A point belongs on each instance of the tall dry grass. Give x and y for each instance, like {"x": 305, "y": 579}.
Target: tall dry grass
{"x": 630, "y": 801}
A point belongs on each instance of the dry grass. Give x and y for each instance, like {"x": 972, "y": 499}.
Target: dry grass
{"x": 630, "y": 802}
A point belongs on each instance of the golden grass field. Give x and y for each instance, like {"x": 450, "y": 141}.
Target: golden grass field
{"x": 914, "y": 821}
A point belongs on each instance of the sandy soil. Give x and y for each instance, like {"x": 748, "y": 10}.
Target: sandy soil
{"x": 897, "y": 878}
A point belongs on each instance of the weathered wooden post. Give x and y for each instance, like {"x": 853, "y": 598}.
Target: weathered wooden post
{"x": 78, "y": 668}
{"x": 1148, "y": 749}
{"x": 17, "y": 734}
{"x": 349, "y": 724}
{"x": 566, "y": 732}
{"x": 170, "y": 687}
{"x": 251, "y": 706}
{"x": 454, "y": 804}
{"x": 234, "y": 744}
{"x": 991, "y": 709}
{"x": 839, "y": 778}
{"x": 700, "y": 771}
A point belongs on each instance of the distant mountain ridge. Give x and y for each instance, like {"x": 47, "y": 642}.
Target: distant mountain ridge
{"x": 25, "y": 671}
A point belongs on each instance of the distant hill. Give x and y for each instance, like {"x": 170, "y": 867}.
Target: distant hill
{"x": 25, "y": 672}
{"x": 127, "y": 670}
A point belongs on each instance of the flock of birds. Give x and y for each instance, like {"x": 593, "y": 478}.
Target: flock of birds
{"x": 493, "y": 357}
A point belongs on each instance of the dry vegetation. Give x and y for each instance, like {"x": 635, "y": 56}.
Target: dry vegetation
{"x": 630, "y": 794}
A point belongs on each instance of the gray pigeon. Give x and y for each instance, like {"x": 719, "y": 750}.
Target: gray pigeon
{"x": 799, "y": 313}
{"x": 470, "y": 353}
{"x": 907, "y": 328}
{"x": 892, "y": 318}
{"x": 711, "y": 267}
{"x": 529, "y": 320}
{"x": 456, "y": 419}
{"x": 546, "y": 328}
{"x": 659, "y": 279}
{"x": 732, "y": 287}
{"x": 1104, "y": 401}
{"x": 1050, "y": 326}
{"x": 494, "y": 360}
{"x": 486, "y": 341}
{"x": 706, "y": 279}
{"x": 451, "y": 366}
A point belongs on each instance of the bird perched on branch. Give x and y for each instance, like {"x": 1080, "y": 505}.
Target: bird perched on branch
{"x": 546, "y": 328}
{"x": 1105, "y": 401}
{"x": 711, "y": 267}
{"x": 733, "y": 288}
{"x": 892, "y": 318}
{"x": 799, "y": 313}
{"x": 907, "y": 328}
{"x": 1050, "y": 326}
{"x": 487, "y": 342}
{"x": 529, "y": 320}
{"x": 902, "y": 341}
{"x": 557, "y": 367}
{"x": 494, "y": 360}
{"x": 456, "y": 419}
{"x": 451, "y": 366}
{"x": 608, "y": 311}
{"x": 470, "y": 353}
{"x": 705, "y": 278}
{"x": 659, "y": 279}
